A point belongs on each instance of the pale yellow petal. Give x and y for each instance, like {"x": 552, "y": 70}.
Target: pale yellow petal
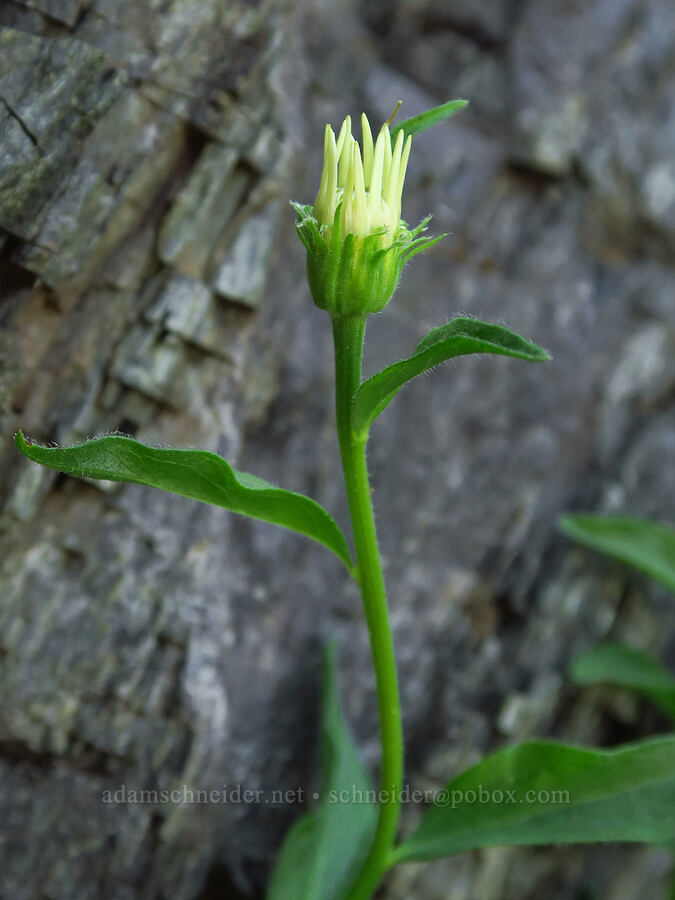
{"x": 344, "y": 147}
{"x": 345, "y": 129}
{"x": 391, "y": 188}
{"x": 378, "y": 167}
{"x": 324, "y": 205}
{"x": 347, "y": 213}
{"x": 387, "y": 154}
{"x": 404, "y": 165}
{"x": 367, "y": 140}
{"x": 360, "y": 199}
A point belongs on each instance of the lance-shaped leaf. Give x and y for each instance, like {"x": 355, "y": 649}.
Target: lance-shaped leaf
{"x": 196, "y": 474}
{"x": 458, "y": 338}
{"x": 322, "y": 852}
{"x": 619, "y": 665}
{"x": 427, "y": 119}
{"x": 548, "y": 793}
{"x": 647, "y": 545}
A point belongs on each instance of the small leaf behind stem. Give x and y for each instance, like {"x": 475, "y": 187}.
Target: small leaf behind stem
{"x": 322, "y": 852}
{"x": 427, "y": 119}
{"x": 622, "y": 666}
{"x": 643, "y": 543}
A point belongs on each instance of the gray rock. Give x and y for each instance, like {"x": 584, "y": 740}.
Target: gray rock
{"x": 54, "y": 91}
{"x": 65, "y": 11}
{"x": 241, "y": 274}
{"x": 186, "y": 307}
{"x": 153, "y": 364}
{"x": 202, "y": 210}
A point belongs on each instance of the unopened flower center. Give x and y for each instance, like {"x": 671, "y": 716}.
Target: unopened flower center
{"x": 366, "y": 183}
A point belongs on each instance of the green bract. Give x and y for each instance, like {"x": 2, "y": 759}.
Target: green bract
{"x": 353, "y": 275}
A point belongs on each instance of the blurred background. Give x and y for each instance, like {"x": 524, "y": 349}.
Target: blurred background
{"x": 152, "y": 283}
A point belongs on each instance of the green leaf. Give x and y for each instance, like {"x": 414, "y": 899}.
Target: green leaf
{"x": 457, "y": 338}
{"x": 427, "y": 119}
{"x": 196, "y": 474}
{"x": 323, "y": 850}
{"x": 576, "y": 796}
{"x": 625, "y": 667}
{"x": 647, "y": 545}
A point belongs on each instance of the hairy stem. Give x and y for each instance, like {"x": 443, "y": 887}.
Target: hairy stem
{"x": 348, "y": 334}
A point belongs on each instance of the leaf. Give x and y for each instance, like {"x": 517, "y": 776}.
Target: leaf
{"x": 323, "y": 850}
{"x": 627, "y": 794}
{"x": 427, "y": 119}
{"x": 625, "y": 667}
{"x": 196, "y": 474}
{"x": 458, "y": 338}
{"x": 647, "y": 545}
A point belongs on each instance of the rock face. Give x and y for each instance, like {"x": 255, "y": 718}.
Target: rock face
{"x": 152, "y": 284}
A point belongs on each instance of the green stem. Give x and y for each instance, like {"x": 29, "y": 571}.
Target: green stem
{"x": 348, "y": 334}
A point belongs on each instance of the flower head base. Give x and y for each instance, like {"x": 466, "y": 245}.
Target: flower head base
{"x": 357, "y": 243}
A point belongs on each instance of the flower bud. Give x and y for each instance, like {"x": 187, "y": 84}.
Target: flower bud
{"x": 356, "y": 241}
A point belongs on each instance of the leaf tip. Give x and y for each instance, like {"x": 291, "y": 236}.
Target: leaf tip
{"x": 20, "y": 441}
{"x": 574, "y": 526}
{"x": 567, "y": 523}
